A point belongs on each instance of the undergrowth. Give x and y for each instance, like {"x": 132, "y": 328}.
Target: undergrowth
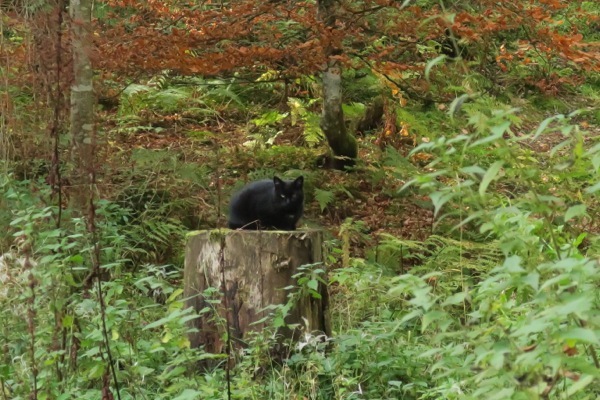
{"x": 499, "y": 302}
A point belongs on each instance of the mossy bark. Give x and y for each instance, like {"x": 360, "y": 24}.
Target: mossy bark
{"x": 82, "y": 102}
{"x": 342, "y": 143}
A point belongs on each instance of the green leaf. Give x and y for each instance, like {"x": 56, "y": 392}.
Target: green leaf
{"x": 67, "y": 321}
{"x": 513, "y": 265}
{"x": 439, "y": 59}
{"x": 96, "y": 371}
{"x": 439, "y": 199}
{"x": 575, "y": 211}
{"x": 473, "y": 170}
{"x": 579, "y": 385}
{"x": 174, "y": 295}
{"x": 580, "y": 335}
{"x": 278, "y": 322}
{"x": 502, "y": 394}
{"x": 545, "y": 124}
{"x": 432, "y": 316}
{"x": 189, "y": 394}
{"x": 457, "y": 103}
{"x": 593, "y": 189}
{"x": 324, "y": 198}
{"x": 457, "y": 298}
{"x": 596, "y": 162}
{"x": 162, "y": 321}
{"x": 489, "y": 176}
{"x": 533, "y": 326}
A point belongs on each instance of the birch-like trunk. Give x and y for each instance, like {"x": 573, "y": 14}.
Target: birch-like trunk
{"x": 342, "y": 143}
{"x": 82, "y": 99}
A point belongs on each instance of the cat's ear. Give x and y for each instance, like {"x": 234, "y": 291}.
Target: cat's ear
{"x": 277, "y": 182}
{"x": 298, "y": 182}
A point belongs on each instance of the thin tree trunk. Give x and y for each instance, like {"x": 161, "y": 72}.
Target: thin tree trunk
{"x": 342, "y": 143}
{"x": 82, "y": 100}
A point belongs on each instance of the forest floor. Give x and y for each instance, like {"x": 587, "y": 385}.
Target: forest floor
{"x": 221, "y": 160}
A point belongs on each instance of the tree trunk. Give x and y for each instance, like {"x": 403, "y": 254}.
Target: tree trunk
{"x": 256, "y": 267}
{"x": 82, "y": 100}
{"x": 342, "y": 143}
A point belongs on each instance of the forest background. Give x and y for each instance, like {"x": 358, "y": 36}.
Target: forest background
{"x": 450, "y": 151}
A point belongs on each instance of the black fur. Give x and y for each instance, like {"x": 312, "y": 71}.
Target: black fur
{"x": 268, "y": 204}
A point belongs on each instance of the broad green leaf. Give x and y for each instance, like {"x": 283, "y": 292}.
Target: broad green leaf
{"x": 579, "y": 385}
{"x": 502, "y": 394}
{"x": 496, "y": 134}
{"x": 533, "y": 326}
{"x": 172, "y": 316}
{"x": 278, "y": 322}
{"x": 174, "y": 295}
{"x": 489, "y": 176}
{"x": 96, "y": 371}
{"x": 533, "y": 280}
{"x": 594, "y": 149}
{"x": 499, "y": 129}
{"x": 473, "y": 169}
{"x": 593, "y": 189}
{"x": 575, "y": 211}
{"x": 596, "y": 162}
{"x": 432, "y": 316}
{"x": 166, "y": 337}
{"x": 577, "y": 303}
{"x": 189, "y": 394}
{"x": 411, "y": 315}
{"x": 68, "y": 321}
{"x": 439, "y": 199}
{"x": 580, "y": 335}
{"x": 313, "y": 284}
{"x": 456, "y": 298}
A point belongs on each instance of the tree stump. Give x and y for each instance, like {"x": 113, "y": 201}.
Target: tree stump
{"x": 256, "y": 267}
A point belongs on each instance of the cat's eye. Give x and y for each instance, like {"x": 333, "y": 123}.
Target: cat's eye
{"x": 282, "y": 196}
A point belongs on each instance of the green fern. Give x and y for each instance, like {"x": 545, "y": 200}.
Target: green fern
{"x": 324, "y": 198}
{"x": 269, "y": 118}
{"x": 299, "y": 112}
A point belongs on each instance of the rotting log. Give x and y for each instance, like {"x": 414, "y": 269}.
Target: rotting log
{"x": 256, "y": 267}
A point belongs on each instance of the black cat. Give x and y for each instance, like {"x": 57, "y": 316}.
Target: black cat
{"x": 268, "y": 204}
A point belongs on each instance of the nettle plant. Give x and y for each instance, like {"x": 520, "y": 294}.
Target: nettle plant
{"x": 54, "y": 330}
{"x": 528, "y": 327}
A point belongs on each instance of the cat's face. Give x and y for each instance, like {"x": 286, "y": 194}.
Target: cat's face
{"x": 288, "y": 192}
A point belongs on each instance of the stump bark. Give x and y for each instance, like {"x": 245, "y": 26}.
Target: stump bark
{"x": 250, "y": 270}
